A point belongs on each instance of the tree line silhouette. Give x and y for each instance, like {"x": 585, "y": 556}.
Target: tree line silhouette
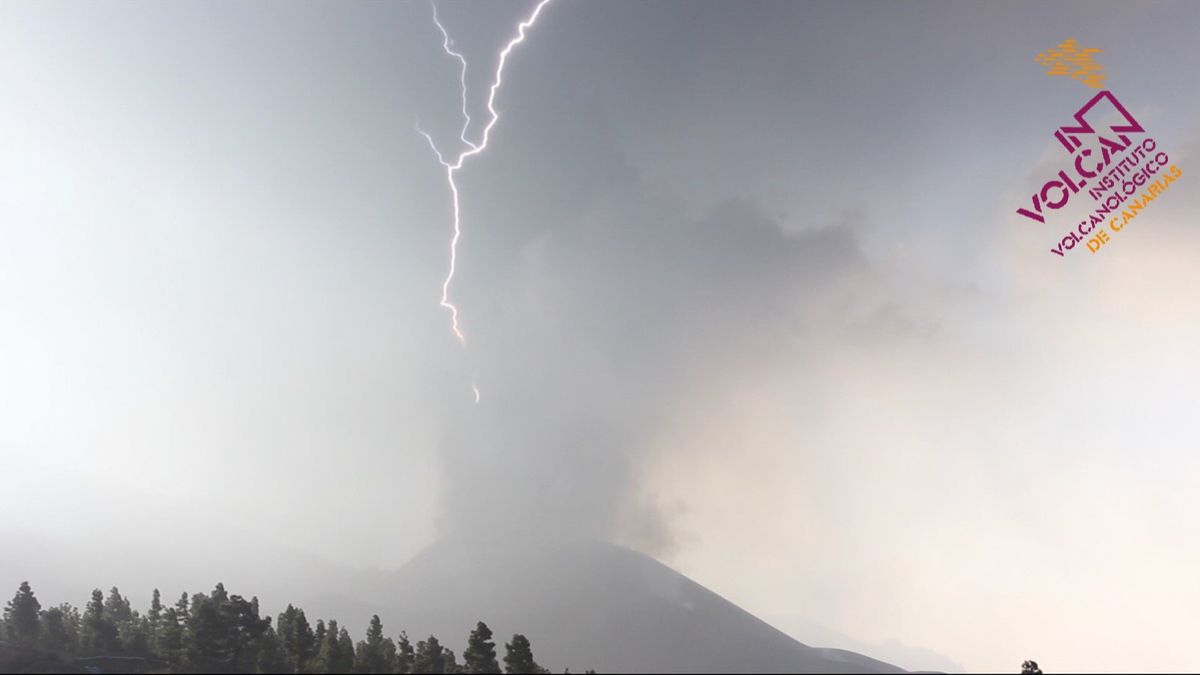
{"x": 222, "y": 633}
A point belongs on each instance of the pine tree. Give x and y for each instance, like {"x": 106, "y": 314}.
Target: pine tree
{"x": 135, "y": 638}
{"x": 518, "y": 657}
{"x": 271, "y": 657}
{"x": 97, "y": 633}
{"x": 285, "y": 627}
{"x": 173, "y": 632}
{"x": 429, "y": 657}
{"x": 388, "y": 650}
{"x": 60, "y": 629}
{"x": 480, "y": 655}
{"x": 117, "y": 607}
{"x": 345, "y": 651}
{"x": 303, "y": 641}
{"x": 205, "y": 643}
{"x": 53, "y": 633}
{"x": 337, "y": 652}
{"x": 370, "y": 655}
{"x": 21, "y": 616}
{"x": 450, "y": 664}
{"x": 154, "y": 620}
{"x": 297, "y": 639}
{"x": 329, "y": 654}
{"x": 131, "y": 636}
{"x": 319, "y": 634}
{"x": 219, "y": 595}
{"x": 243, "y": 628}
{"x": 170, "y": 637}
{"x": 404, "y": 656}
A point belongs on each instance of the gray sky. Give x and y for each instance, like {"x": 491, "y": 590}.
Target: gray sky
{"x": 742, "y": 284}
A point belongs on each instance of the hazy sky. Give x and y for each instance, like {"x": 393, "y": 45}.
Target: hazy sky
{"x": 743, "y": 287}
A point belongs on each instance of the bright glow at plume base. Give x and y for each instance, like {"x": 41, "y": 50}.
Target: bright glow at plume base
{"x": 471, "y": 150}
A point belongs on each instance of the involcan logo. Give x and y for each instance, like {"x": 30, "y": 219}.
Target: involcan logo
{"x": 1118, "y": 165}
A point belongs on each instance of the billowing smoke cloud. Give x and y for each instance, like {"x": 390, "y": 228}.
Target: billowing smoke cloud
{"x": 610, "y": 318}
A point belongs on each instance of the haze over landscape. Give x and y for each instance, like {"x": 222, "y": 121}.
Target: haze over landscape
{"x": 768, "y": 365}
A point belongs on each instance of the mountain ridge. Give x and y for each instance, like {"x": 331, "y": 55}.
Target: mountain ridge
{"x": 591, "y": 605}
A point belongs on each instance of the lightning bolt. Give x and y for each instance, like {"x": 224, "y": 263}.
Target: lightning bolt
{"x": 472, "y": 149}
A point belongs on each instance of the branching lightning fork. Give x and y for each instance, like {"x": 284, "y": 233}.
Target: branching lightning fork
{"x": 472, "y": 147}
